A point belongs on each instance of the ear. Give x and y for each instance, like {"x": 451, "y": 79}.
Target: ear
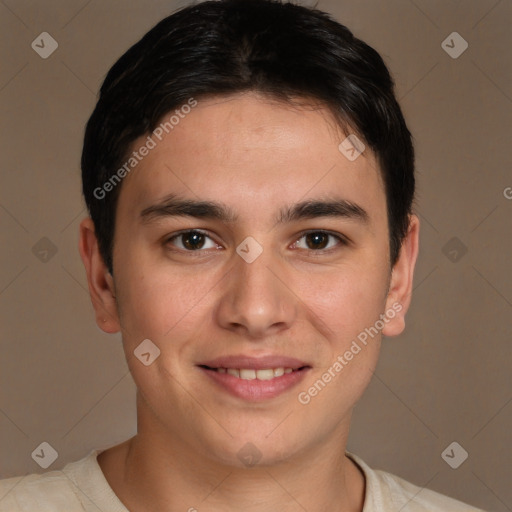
{"x": 400, "y": 288}
{"x": 101, "y": 283}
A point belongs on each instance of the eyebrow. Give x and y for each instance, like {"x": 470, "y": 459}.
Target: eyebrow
{"x": 173, "y": 206}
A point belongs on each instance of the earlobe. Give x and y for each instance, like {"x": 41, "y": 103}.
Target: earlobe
{"x": 100, "y": 281}
{"x": 400, "y": 289}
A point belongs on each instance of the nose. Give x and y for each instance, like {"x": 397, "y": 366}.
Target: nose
{"x": 257, "y": 301}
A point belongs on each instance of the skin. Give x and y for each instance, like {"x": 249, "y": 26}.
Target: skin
{"x": 255, "y": 156}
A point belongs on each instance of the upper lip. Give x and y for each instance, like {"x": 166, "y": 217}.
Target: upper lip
{"x": 254, "y": 363}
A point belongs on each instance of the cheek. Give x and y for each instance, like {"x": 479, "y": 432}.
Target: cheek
{"x": 346, "y": 305}
{"x": 346, "y": 301}
{"x": 166, "y": 309}
{"x": 155, "y": 304}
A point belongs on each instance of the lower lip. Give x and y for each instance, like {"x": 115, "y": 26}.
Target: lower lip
{"x": 256, "y": 390}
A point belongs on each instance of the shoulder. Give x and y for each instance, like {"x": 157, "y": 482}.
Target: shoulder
{"x": 419, "y": 499}
{"x": 79, "y": 487}
{"x": 45, "y": 492}
{"x": 385, "y": 491}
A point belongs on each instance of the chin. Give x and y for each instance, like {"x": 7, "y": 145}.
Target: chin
{"x": 256, "y": 448}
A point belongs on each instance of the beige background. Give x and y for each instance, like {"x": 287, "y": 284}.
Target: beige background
{"x": 447, "y": 378}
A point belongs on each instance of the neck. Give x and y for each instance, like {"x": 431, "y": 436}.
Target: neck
{"x": 156, "y": 471}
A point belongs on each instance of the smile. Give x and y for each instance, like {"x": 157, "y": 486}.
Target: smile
{"x": 251, "y": 374}
{"x": 255, "y": 379}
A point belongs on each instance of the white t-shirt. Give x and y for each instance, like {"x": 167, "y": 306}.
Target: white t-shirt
{"x": 81, "y": 486}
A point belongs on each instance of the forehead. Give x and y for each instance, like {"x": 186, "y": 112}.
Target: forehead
{"x": 252, "y": 152}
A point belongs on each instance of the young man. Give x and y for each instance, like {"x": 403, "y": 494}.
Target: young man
{"x": 250, "y": 178}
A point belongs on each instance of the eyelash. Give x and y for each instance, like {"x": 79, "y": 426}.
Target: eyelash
{"x": 342, "y": 240}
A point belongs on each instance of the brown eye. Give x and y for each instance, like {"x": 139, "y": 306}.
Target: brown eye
{"x": 319, "y": 241}
{"x": 192, "y": 241}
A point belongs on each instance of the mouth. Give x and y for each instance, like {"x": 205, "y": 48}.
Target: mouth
{"x": 252, "y": 374}
{"x": 255, "y": 379}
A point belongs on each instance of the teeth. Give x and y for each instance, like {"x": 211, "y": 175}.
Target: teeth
{"x": 250, "y": 374}
{"x": 264, "y": 374}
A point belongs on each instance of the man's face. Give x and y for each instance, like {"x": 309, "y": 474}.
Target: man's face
{"x": 321, "y": 278}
